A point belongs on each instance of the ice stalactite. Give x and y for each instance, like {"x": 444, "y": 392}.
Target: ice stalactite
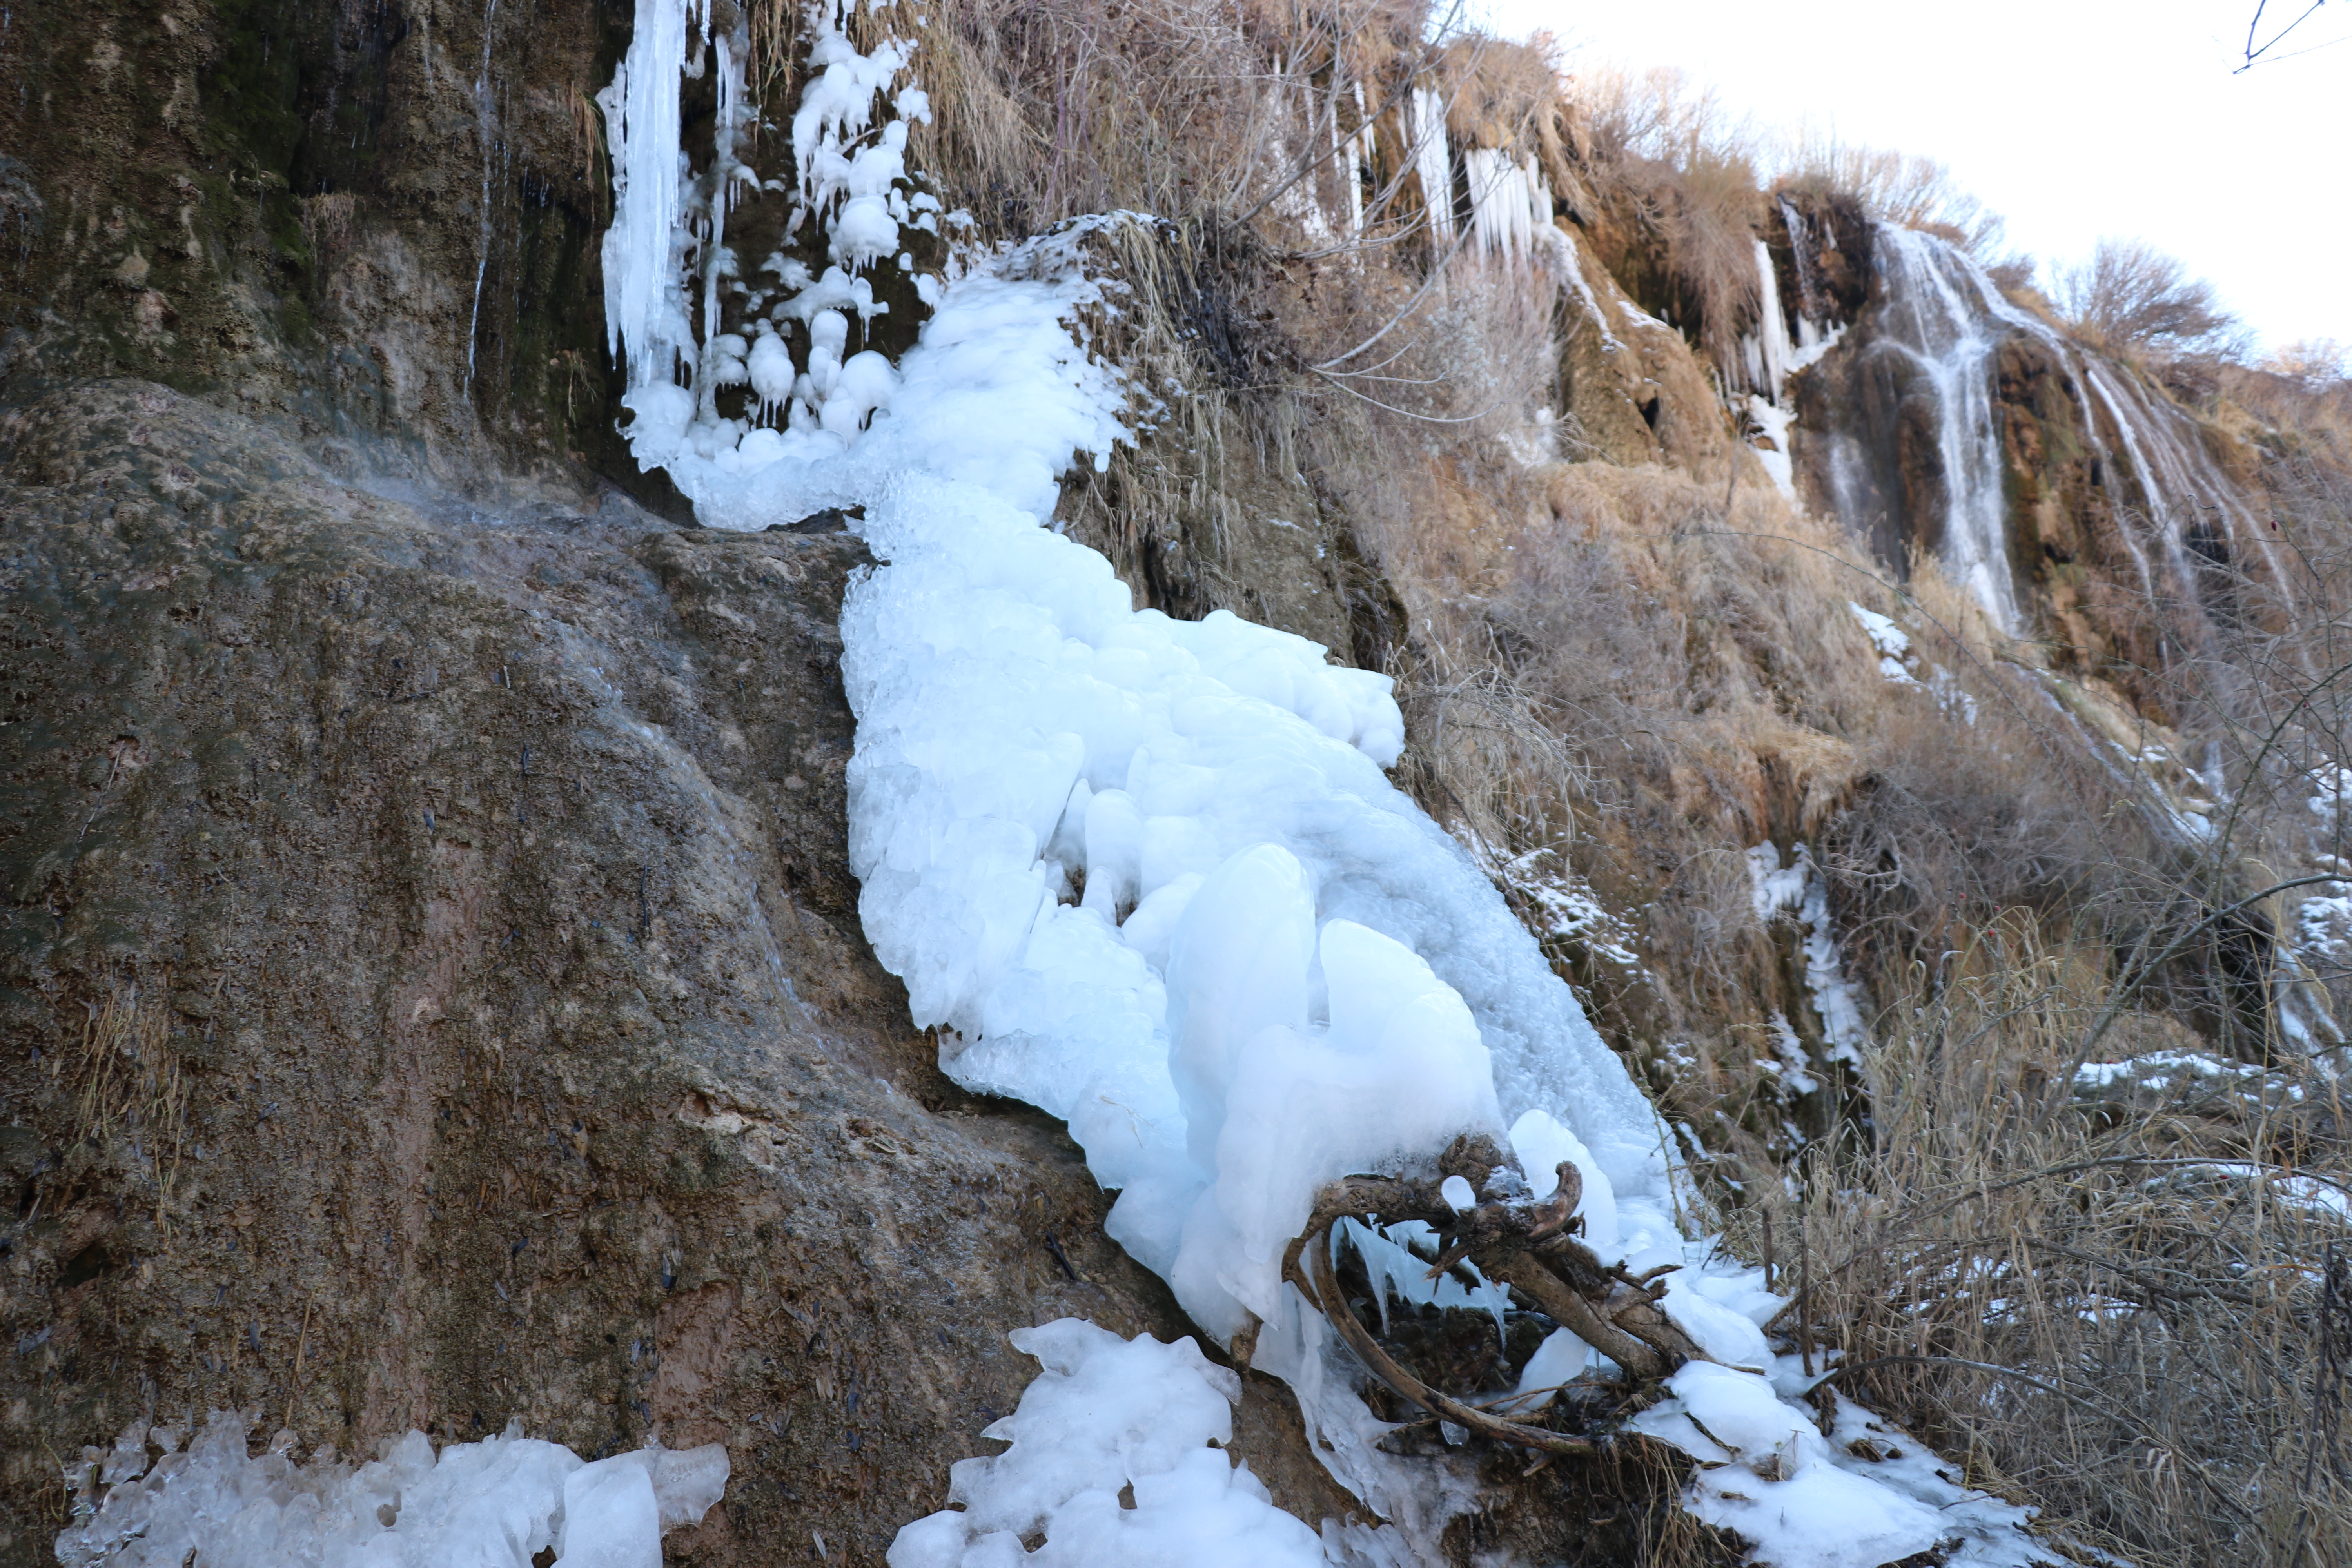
{"x": 1303, "y": 133}
{"x": 1433, "y": 161}
{"x": 1769, "y": 348}
{"x": 647, "y": 327}
{"x": 1812, "y": 310}
{"x": 1359, "y": 149}
{"x": 1511, "y": 204}
{"x": 668, "y": 258}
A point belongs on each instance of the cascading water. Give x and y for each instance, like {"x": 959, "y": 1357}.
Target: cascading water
{"x": 1910, "y": 444}
{"x": 1936, "y": 324}
{"x": 486, "y": 123}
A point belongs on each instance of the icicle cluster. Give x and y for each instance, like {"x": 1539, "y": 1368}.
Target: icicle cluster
{"x": 1425, "y": 129}
{"x": 1510, "y": 205}
{"x": 809, "y": 391}
{"x": 1771, "y": 353}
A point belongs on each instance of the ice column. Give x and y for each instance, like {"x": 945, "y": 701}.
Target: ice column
{"x": 645, "y": 303}
{"x": 1432, "y": 163}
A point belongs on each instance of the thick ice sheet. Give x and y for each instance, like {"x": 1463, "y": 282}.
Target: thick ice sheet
{"x": 1150, "y": 876}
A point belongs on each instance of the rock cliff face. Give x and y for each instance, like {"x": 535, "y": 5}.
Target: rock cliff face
{"x": 1873, "y": 404}
{"x": 2116, "y": 518}
{"x": 372, "y": 223}
{"x": 433, "y": 993}
{"x": 434, "y": 997}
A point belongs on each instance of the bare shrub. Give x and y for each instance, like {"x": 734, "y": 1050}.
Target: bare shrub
{"x": 2131, "y": 295}
{"x": 1895, "y": 187}
{"x": 1907, "y": 190}
{"x": 2314, "y": 362}
{"x": 1677, "y": 174}
{"x": 1045, "y": 109}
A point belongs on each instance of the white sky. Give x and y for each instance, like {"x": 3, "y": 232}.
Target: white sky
{"x": 2071, "y": 118}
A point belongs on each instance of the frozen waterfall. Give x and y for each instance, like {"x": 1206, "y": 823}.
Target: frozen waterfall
{"x": 1150, "y": 875}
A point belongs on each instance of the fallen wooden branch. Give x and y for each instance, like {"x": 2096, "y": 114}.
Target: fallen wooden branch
{"x": 1530, "y": 1248}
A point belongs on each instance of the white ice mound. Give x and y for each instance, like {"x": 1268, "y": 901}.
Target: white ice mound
{"x": 1863, "y": 1494}
{"x": 1151, "y": 874}
{"x": 1109, "y": 1414}
{"x": 1048, "y": 782}
{"x": 491, "y": 1504}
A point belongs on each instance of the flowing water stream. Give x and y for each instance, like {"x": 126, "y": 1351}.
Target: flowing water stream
{"x": 1939, "y": 324}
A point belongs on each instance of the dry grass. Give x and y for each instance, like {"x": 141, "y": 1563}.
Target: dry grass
{"x": 2108, "y": 1301}
{"x": 2105, "y": 1304}
{"x": 1675, "y": 182}
{"x": 130, "y": 1088}
{"x": 1050, "y": 108}
{"x": 1700, "y": 665}
{"x": 2306, "y": 414}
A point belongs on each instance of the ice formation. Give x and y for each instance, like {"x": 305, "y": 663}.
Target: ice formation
{"x": 1799, "y": 888}
{"x": 1849, "y": 1491}
{"x": 491, "y": 1504}
{"x": 1892, "y": 643}
{"x": 669, "y": 232}
{"x": 1150, "y": 876}
{"x": 1772, "y": 354}
{"x": 1109, "y": 1414}
{"x": 1511, "y": 204}
{"x": 1425, "y": 128}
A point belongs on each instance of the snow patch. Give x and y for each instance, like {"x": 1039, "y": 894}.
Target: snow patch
{"x": 1861, "y": 1494}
